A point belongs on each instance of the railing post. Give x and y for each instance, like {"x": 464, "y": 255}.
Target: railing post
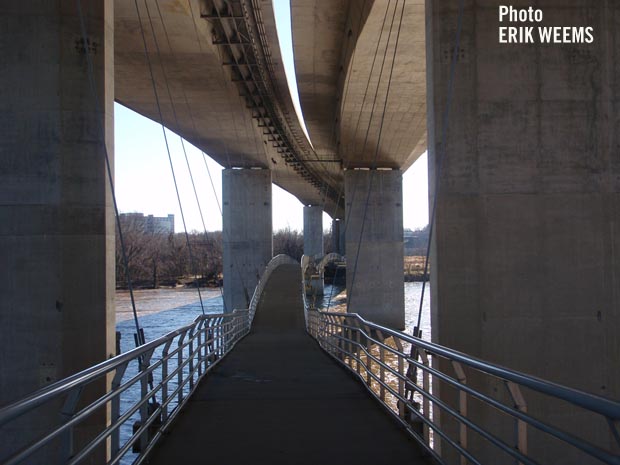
{"x": 199, "y": 346}
{"x": 115, "y": 410}
{"x": 401, "y": 382}
{"x": 164, "y": 383}
{"x": 144, "y": 363}
{"x": 381, "y": 368}
{"x": 349, "y": 341}
{"x": 190, "y": 355}
{"x": 460, "y": 375}
{"x": 180, "y": 366}
{"x": 368, "y": 357}
{"x": 68, "y": 409}
{"x": 520, "y": 425}
{"x": 358, "y": 349}
{"x": 210, "y": 341}
{"x": 426, "y": 387}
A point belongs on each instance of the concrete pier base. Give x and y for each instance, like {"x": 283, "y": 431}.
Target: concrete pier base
{"x": 56, "y": 217}
{"x": 247, "y": 235}
{"x": 374, "y": 244}
{"x": 526, "y": 258}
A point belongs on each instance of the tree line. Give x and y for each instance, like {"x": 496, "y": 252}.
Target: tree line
{"x": 157, "y": 259}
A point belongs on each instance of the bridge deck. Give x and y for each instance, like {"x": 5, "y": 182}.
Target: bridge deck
{"x": 278, "y": 399}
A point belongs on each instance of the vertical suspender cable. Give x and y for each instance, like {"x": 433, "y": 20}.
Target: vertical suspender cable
{"x": 93, "y": 88}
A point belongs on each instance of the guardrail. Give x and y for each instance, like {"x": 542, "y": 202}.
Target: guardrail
{"x": 400, "y": 371}
{"x": 151, "y": 383}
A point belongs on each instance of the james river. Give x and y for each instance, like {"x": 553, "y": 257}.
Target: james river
{"x": 163, "y": 310}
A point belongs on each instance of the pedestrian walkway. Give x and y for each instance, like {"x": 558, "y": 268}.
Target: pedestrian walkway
{"x": 279, "y": 399}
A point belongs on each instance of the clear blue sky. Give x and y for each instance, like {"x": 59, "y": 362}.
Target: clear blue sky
{"x": 144, "y": 180}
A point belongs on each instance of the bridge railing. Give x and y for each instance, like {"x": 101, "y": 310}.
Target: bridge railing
{"x": 146, "y": 389}
{"x": 403, "y": 373}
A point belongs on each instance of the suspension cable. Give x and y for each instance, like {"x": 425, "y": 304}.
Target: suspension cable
{"x": 161, "y": 118}
{"x": 441, "y": 155}
{"x": 94, "y": 94}
{"x": 374, "y": 162}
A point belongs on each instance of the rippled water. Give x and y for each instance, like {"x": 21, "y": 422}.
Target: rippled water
{"x": 163, "y": 310}
{"x": 413, "y": 291}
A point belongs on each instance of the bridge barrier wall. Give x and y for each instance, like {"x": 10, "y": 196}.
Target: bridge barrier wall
{"x": 400, "y": 371}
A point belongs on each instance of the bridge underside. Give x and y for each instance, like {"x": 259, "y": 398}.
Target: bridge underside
{"x": 220, "y": 83}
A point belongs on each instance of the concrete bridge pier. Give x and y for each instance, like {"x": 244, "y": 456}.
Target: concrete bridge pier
{"x": 526, "y": 262}
{"x": 374, "y": 244}
{"x": 313, "y": 243}
{"x": 247, "y": 236}
{"x": 338, "y": 238}
{"x": 56, "y": 216}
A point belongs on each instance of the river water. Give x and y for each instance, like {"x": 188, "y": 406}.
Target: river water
{"x": 163, "y": 310}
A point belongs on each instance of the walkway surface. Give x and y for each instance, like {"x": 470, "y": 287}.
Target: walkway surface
{"x": 277, "y": 398}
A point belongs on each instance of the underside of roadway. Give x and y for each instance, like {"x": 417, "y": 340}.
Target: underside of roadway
{"x": 277, "y": 398}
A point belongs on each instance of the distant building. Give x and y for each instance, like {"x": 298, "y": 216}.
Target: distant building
{"x": 148, "y": 224}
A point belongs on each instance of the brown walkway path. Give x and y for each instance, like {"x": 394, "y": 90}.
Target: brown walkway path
{"x": 277, "y": 398}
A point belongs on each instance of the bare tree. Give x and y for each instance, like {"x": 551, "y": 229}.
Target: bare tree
{"x": 289, "y": 242}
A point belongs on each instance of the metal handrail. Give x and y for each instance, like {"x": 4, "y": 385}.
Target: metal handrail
{"x": 363, "y": 347}
{"x": 183, "y": 356}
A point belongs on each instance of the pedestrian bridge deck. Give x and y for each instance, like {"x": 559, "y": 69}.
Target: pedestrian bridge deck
{"x": 277, "y": 398}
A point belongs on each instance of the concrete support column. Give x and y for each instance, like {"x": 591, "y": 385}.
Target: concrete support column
{"x": 375, "y": 229}
{"x": 56, "y": 219}
{"x": 526, "y": 260}
{"x": 337, "y": 236}
{"x": 248, "y": 240}
{"x": 313, "y": 231}
{"x": 313, "y": 244}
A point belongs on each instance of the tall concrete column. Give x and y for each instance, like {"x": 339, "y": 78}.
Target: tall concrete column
{"x": 338, "y": 236}
{"x": 248, "y": 240}
{"x": 374, "y": 244}
{"x": 313, "y": 244}
{"x": 526, "y": 259}
{"x": 313, "y": 231}
{"x": 56, "y": 219}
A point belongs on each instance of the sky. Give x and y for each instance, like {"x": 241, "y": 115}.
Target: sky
{"x": 144, "y": 181}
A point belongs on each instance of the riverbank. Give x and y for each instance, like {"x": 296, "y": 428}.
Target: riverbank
{"x": 414, "y": 268}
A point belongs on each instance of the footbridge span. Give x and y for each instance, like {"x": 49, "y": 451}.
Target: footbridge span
{"x": 524, "y": 173}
